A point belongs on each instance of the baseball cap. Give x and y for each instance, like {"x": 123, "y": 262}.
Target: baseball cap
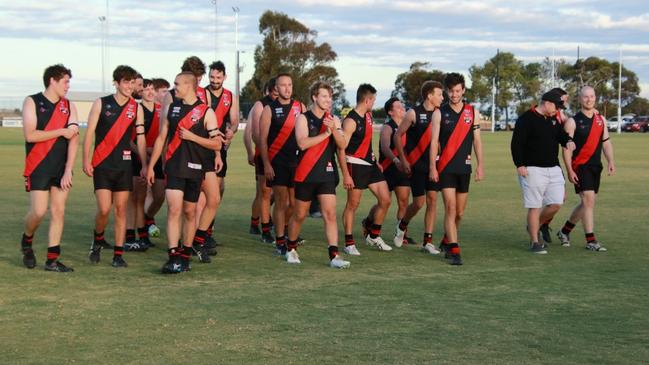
{"x": 554, "y": 97}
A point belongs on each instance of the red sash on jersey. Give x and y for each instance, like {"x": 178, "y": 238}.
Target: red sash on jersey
{"x": 154, "y": 128}
{"x": 187, "y": 122}
{"x": 361, "y": 151}
{"x": 461, "y": 130}
{"x": 58, "y": 120}
{"x": 200, "y": 94}
{"x": 223, "y": 108}
{"x": 387, "y": 162}
{"x": 287, "y": 128}
{"x": 420, "y": 148}
{"x": 311, "y": 156}
{"x": 115, "y": 134}
{"x": 589, "y": 147}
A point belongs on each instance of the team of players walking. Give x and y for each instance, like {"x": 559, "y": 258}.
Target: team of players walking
{"x": 176, "y": 142}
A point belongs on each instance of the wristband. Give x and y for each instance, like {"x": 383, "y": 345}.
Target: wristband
{"x": 69, "y": 124}
{"x": 395, "y": 159}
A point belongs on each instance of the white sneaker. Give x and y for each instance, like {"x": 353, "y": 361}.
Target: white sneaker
{"x": 431, "y": 249}
{"x": 154, "y": 231}
{"x": 398, "y": 237}
{"x": 351, "y": 250}
{"x": 292, "y": 257}
{"x": 378, "y": 242}
{"x": 564, "y": 239}
{"x": 338, "y": 263}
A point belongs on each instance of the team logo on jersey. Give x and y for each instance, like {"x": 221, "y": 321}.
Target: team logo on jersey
{"x": 330, "y": 167}
{"x": 226, "y": 100}
{"x": 297, "y": 110}
{"x": 423, "y": 118}
{"x": 63, "y": 109}
{"x": 599, "y": 121}
{"x": 467, "y": 117}
{"x": 130, "y": 113}
{"x": 196, "y": 115}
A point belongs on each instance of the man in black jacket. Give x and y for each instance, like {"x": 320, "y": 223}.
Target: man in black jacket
{"x": 534, "y": 149}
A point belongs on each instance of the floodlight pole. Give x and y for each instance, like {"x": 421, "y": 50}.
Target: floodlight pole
{"x": 107, "y": 37}
{"x": 493, "y": 105}
{"x": 236, "y": 47}
{"x": 102, "y": 21}
{"x": 619, "y": 95}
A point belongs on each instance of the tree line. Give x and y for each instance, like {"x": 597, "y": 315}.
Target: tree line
{"x": 290, "y": 46}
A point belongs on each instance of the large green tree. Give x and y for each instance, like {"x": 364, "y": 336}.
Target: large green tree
{"x": 517, "y": 84}
{"x": 290, "y": 46}
{"x": 407, "y": 86}
{"x": 602, "y": 75}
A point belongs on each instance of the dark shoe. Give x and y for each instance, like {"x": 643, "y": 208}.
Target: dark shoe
{"x": 201, "y": 252}
{"x": 545, "y": 233}
{"x": 210, "y": 242}
{"x": 135, "y": 246}
{"x": 95, "y": 253}
{"x": 537, "y": 248}
{"x": 266, "y": 237}
{"x": 29, "y": 259}
{"x": 118, "y": 261}
{"x": 254, "y": 230}
{"x": 300, "y": 240}
{"x": 57, "y": 266}
{"x": 455, "y": 259}
{"x": 185, "y": 265}
{"x": 146, "y": 242}
{"x": 409, "y": 240}
{"x": 172, "y": 266}
{"x": 103, "y": 244}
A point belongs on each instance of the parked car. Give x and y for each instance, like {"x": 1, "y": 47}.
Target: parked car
{"x": 612, "y": 123}
{"x": 638, "y": 124}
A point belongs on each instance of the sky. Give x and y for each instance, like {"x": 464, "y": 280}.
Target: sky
{"x": 375, "y": 39}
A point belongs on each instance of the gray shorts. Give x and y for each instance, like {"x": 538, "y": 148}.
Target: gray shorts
{"x": 542, "y": 186}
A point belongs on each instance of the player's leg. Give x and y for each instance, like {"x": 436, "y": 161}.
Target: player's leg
{"x": 351, "y": 205}
{"x": 37, "y": 210}
{"x": 328, "y": 210}
{"x": 382, "y": 194}
{"x": 120, "y": 202}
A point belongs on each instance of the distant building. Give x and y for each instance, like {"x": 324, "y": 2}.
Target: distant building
{"x": 83, "y": 101}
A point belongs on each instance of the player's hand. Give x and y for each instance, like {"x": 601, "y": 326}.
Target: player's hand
{"x": 68, "y": 133}
{"x": 479, "y": 173}
{"x": 337, "y": 123}
{"x": 150, "y": 176}
{"x": 218, "y": 163}
{"x": 66, "y": 180}
{"x": 611, "y": 169}
{"x": 251, "y": 159}
{"x": 143, "y": 173}
{"x": 74, "y": 127}
{"x": 328, "y": 121}
{"x": 572, "y": 177}
{"x": 269, "y": 172}
{"x": 522, "y": 171}
{"x": 88, "y": 169}
{"x": 570, "y": 146}
{"x": 229, "y": 135}
{"x": 433, "y": 175}
{"x": 186, "y": 134}
{"x": 348, "y": 182}
{"x": 405, "y": 167}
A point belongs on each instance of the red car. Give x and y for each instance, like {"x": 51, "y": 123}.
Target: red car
{"x": 638, "y": 124}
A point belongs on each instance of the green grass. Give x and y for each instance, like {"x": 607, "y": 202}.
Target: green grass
{"x": 504, "y": 306}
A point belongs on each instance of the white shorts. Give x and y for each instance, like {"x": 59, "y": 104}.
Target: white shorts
{"x": 542, "y": 186}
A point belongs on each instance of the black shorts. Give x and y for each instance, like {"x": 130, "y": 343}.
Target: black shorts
{"x": 224, "y": 169}
{"x": 589, "y": 177}
{"x": 420, "y": 183}
{"x": 259, "y": 166}
{"x": 395, "y": 178}
{"x": 365, "y": 175}
{"x": 191, "y": 188}
{"x": 42, "y": 182}
{"x": 157, "y": 169}
{"x": 113, "y": 180}
{"x": 306, "y": 191}
{"x": 283, "y": 176}
{"x": 452, "y": 180}
{"x": 208, "y": 163}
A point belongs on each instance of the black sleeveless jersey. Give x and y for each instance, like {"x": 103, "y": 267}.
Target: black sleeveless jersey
{"x": 393, "y": 129}
{"x": 423, "y": 119}
{"x": 120, "y": 158}
{"x": 214, "y": 103}
{"x": 187, "y": 158}
{"x": 461, "y": 162}
{"x": 322, "y": 169}
{"x": 358, "y": 141}
{"x": 266, "y": 100}
{"x": 583, "y": 124}
{"x": 279, "y": 113}
{"x": 53, "y": 164}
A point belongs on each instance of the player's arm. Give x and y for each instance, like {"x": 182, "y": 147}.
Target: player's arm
{"x": 337, "y": 132}
{"x": 32, "y": 135}
{"x": 436, "y": 122}
{"x": 477, "y": 145}
{"x": 73, "y": 146}
{"x": 158, "y": 146}
{"x": 517, "y": 146}
{"x": 215, "y": 137}
{"x": 607, "y": 148}
{"x": 403, "y": 128}
{"x": 569, "y": 128}
{"x": 349, "y": 125}
{"x": 93, "y": 119}
{"x": 234, "y": 116}
{"x": 302, "y": 132}
{"x": 247, "y": 142}
{"x": 264, "y": 128}
{"x": 384, "y": 144}
{"x": 140, "y": 139}
{"x": 253, "y": 119}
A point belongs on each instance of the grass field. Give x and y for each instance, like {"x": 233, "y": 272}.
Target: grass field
{"x": 504, "y": 306}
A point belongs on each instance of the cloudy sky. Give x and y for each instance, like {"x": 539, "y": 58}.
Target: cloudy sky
{"x": 375, "y": 39}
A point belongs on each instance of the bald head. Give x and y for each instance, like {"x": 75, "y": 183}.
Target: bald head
{"x": 185, "y": 84}
{"x": 587, "y": 98}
